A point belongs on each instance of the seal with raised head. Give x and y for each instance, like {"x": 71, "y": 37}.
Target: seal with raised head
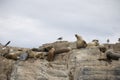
{"x": 80, "y": 43}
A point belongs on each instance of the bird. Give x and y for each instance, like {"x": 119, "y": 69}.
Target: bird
{"x": 60, "y": 38}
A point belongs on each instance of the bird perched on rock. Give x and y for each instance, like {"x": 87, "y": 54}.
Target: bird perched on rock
{"x": 60, "y": 38}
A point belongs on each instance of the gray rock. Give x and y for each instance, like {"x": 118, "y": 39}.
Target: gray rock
{"x": 23, "y": 56}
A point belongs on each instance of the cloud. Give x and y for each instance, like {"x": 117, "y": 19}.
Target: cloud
{"x": 31, "y": 23}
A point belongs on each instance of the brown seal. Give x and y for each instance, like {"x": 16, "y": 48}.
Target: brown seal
{"x": 51, "y": 54}
{"x": 80, "y": 43}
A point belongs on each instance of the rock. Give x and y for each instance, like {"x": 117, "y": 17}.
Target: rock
{"x": 77, "y": 64}
{"x": 23, "y": 56}
{"x": 5, "y": 68}
{"x": 57, "y": 73}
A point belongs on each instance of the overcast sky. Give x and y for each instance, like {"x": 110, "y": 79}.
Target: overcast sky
{"x": 31, "y": 23}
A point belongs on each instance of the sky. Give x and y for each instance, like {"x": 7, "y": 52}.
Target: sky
{"x": 31, "y": 23}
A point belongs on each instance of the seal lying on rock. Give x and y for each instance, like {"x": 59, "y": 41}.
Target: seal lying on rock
{"x": 14, "y": 55}
{"x": 80, "y": 43}
{"x": 102, "y": 48}
{"x": 62, "y": 50}
{"x": 51, "y": 54}
{"x": 4, "y": 51}
{"x": 94, "y": 43}
{"x": 23, "y": 55}
{"x": 111, "y": 55}
{"x": 33, "y": 54}
{"x": 45, "y": 48}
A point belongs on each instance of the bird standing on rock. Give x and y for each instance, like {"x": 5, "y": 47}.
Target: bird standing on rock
{"x": 60, "y": 38}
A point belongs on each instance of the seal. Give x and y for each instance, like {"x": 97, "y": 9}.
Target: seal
{"x": 80, "y": 43}
{"x": 51, "y": 54}
{"x": 35, "y": 55}
{"x": 94, "y": 43}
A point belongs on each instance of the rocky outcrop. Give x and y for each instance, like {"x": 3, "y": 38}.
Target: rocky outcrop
{"x": 89, "y": 68}
{"x": 76, "y": 64}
